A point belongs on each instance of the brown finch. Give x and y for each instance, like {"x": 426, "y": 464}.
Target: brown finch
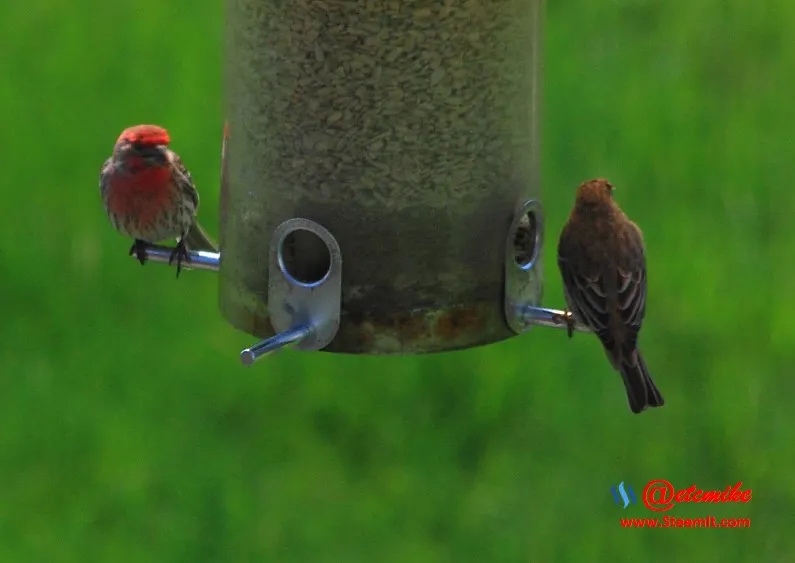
{"x": 602, "y": 262}
{"x": 149, "y": 194}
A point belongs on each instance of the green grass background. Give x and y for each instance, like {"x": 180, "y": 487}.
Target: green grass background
{"x": 129, "y": 431}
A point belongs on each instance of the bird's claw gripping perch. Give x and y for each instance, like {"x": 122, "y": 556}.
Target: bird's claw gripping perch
{"x": 179, "y": 254}
{"x": 138, "y": 249}
{"x": 568, "y": 319}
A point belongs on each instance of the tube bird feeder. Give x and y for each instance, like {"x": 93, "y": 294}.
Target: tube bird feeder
{"x": 380, "y": 188}
{"x": 409, "y": 131}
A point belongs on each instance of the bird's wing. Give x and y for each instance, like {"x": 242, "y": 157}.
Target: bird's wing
{"x": 632, "y": 300}
{"x": 586, "y": 296}
{"x": 104, "y": 175}
{"x": 631, "y": 284}
{"x": 183, "y": 178}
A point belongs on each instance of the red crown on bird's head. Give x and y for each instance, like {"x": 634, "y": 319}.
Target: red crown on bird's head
{"x": 146, "y": 135}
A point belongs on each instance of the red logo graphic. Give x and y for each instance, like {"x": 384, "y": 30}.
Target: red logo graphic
{"x": 659, "y": 495}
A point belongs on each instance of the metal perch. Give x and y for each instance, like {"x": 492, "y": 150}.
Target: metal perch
{"x": 199, "y": 259}
{"x": 274, "y": 344}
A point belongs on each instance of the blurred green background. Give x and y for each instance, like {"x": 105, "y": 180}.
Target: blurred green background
{"x": 129, "y": 431}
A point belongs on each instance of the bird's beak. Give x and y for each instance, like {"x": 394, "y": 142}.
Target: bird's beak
{"x": 156, "y": 154}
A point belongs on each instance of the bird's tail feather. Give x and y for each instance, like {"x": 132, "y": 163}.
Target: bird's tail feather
{"x": 198, "y": 239}
{"x": 641, "y": 390}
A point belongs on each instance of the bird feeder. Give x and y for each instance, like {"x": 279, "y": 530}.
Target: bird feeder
{"x": 380, "y": 190}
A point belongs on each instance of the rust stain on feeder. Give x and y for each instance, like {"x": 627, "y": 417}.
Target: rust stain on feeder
{"x": 415, "y": 332}
{"x": 454, "y": 323}
{"x": 421, "y": 330}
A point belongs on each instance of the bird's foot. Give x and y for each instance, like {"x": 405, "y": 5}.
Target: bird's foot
{"x": 180, "y": 254}
{"x": 570, "y": 322}
{"x": 138, "y": 249}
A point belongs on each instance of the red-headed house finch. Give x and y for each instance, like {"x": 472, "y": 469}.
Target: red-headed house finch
{"x": 602, "y": 262}
{"x": 149, "y": 194}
